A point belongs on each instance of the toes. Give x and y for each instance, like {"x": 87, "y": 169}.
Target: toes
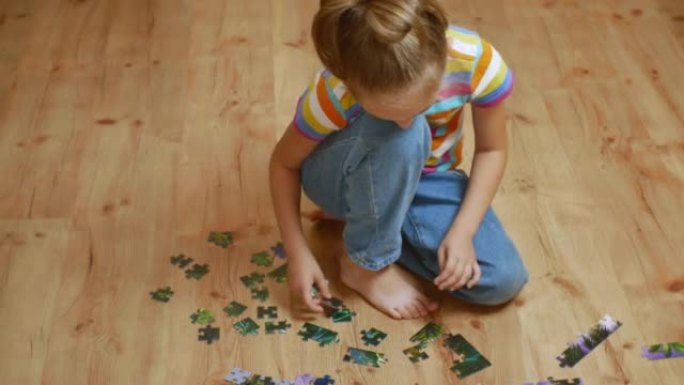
{"x": 422, "y": 311}
{"x": 428, "y": 304}
{"x": 398, "y": 313}
{"x": 413, "y": 310}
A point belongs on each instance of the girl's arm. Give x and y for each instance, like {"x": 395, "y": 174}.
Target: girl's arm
{"x": 456, "y": 255}
{"x": 303, "y": 270}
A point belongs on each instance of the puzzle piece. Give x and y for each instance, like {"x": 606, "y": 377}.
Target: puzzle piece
{"x": 262, "y": 258}
{"x": 209, "y": 334}
{"x": 661, "y": 351}
{"x": 372, "y": 337}
{"x": 234, "y": 309}
{"x": 279, "y": 250}
{"x": 416, "y": 353}
{"x": 260, "y": 294}
{"x": 162, "y": 295}
{"x": 319, "y": 334}
{"x": 304, "y": 379}
{"x": 551, "y": 381}
{"x": 428, "y": 333}
{"x": 238, "y": 376}
{"x": 364, "y": 357}
{"x": 258, "y": 379}
{"x": 270, "y": 312}
{"x": 202, "y": 316}
{"x": 252, "y": 280}
{"x": 222, "y": 239}
{"x": 197, "y": 271}
{"x": 587, "y": 342}
{"x": 280, "y": 327}
{"x": 247, "y": 327}
{"x": 327, "y": 380}
{"x": 279, "y": 274}
{"x": 181, "y": 261}
{"x": 342, "y": 315}
{"x": 468, "y": 360}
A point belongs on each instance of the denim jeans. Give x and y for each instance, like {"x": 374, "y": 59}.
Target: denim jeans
{"x": 369, "y": 175}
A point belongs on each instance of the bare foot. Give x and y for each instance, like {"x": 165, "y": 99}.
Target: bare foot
{"x": 391, "y": 290}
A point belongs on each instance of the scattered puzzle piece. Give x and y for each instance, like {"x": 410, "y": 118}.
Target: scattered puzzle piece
{"x": 247, "y": 327}
{"x": 279, "y": 274}
{"x": 587, "y": 342}
{"x": 258, "y": 379}
{"x": 416, "y": 353}
{"x": 270, "y": 312}
{"x": 428, "y": 333}
{"x": 468, "y": 360}
{"x": 162, "y": 295}
{"x": 262, "y": 258}
{"x": 280, "y": 327}
{"x": 279, "y": 250}
{"x": 551, "y": 381}
{"x": 252, "y": 280}
{"x": 197, "y": 271}
{"x": 234, "y": 309}
{"x": 319, "y": 334}
{"x": 342, "y": 315}
{"x": 260, "y": 294}
{"x": 181, "y": 261}
{"x": 202, "y": 316}
{"x": 372, "y": 337}
{"x": 327, "y": 380}
{"x": 364, "y": 357}
{"x": 238, "y": 376}
{"x": 304, "y": 379}
{"x": 209, "y": 334}
{"x": 222, "y": 239}
{"x": 661, "y": 351}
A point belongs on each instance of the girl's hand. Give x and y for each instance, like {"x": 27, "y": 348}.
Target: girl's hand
{"x": 302, "y": 273}
{"x": 457, "y": 263}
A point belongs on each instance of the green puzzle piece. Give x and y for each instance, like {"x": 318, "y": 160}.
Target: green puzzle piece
{"x": 365, "y": 357}
{"x": 279, "y": 274}
{"x": 247, "y": 327}
{"x": 416, "y": 353}
{"x": 262, "y": 258}
{"x": 372, "y": 337}
{"x": 197, "y": 271}
{"x": 428, "y": 333}
{"x": 222, "y": 239}
{"x": 162, "y": 295}
{"x": 469, "y": 360}
{"x": 280, "y": 327}
{"x": 319, "y": 334}
{"x": 252, "y": 280}
{"x": 234, "y": 309}
{"x": 342, "y": 315}
{"x": 180, "y": 260}
{"x": 202, "y": 316}
{"x": 260, "y": 294}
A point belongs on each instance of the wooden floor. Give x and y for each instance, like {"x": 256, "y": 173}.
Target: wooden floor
{"x": 130, "y": 129}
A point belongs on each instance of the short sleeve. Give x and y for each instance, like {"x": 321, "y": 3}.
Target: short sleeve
{"x": 320, "y": 110}
{"x": 492, "y": 80}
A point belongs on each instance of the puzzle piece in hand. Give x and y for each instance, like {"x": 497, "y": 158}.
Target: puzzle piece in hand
{"x": 162, "y": 295}
{"x": 270, "y": 312}
{"x": 260, "y": 294}
{"x": 252, "y": 280}
{"x": 327, "y": 380}
{"x": 428, "y": 333}
{"x": 209, "y": 334}
{"x": 364, "y": 357}
{"x": 372, "y": 337}
{"x": 202, "y": 316}
{"x": 222, "y": 239}
{"x": 237, "y": 376}
{"x": 197, "y": 271}
{"x": 280, "y": 327}
{"x": 661, "y": 351}
{"x": 262, "y": 258}
{"x": 342, "y": 315}
{"x": 247, "y": 327}
{"x": 279, "y": 250}
{"x": 416, "y": 353}
{"x": 181, "y": 260}
{"x": 279, "y": 274}
{"x": 234, "y": 309}
{"x": 587, "y": 342}
{"x": 468, "y": 360}
{"x": 319, "y": 334}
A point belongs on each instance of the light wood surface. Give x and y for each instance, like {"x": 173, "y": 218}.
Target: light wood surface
{"x": 130, "y": 129}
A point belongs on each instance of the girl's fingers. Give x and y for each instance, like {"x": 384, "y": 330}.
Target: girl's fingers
{"x": 310, "y": 302}
{"x": 324, "y": 286}
{"x": 464, "y": 277}
{"x": 477, "y": 274}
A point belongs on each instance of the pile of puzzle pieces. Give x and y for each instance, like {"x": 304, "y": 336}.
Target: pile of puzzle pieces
{"x": 239, "y": 376}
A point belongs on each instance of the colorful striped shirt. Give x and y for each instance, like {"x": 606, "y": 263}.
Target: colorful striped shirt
{"x": 475, "y": 73}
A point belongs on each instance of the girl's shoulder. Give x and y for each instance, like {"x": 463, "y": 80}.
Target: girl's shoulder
{"x": 464, "y": 44}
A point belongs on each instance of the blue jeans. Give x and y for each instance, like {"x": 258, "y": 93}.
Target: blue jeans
{"x": 369, "y": 175}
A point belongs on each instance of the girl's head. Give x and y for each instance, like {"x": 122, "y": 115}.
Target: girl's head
{"x": 390, "y": 53}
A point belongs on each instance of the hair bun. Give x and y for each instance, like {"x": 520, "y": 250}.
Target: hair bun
{"x": 391, "y": 20}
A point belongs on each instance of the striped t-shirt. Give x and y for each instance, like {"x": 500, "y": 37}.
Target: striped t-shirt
{"x": 475, "y": 73}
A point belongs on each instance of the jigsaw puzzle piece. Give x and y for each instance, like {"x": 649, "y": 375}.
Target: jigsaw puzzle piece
{"x": 304, "y": 379}
{"x": 234, "y": 309}
{"x": 202, "y": 316}
{"x": 364, "y": 357}
{"x": 327, "y": 380}
{"x": 372, "y": 337}
{"x": 279, "y": 274}
{"x": 262, "y": 258}
{"x": 197, "y": 271}
{"x": 209, "y": 334}
{"x": 260, "y": 294}
{"x": 662, "y": 351}
{"x": 280, "y": 327}
{"x": 162, "y": 295}
{"x": 252, "y": 280}
{"x": 238, "y": 376}
{"x": 416, "y": 353}
{"x": 247, "y": 327}
{"x": 469, "y": 360}
{"x": 181, "y": 260}
{"x": 429, "y": 333}
{"x": 587, "y": 342}
{"x": 222, "y": 239}
{"x": 319, "y": 334}
{"x": 270, "y": 312}
{"x": 279, "y": 250}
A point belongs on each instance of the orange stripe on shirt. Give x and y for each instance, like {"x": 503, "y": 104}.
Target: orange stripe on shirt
{"x": 327, "y": 106}
{"x": 483, "y": 64}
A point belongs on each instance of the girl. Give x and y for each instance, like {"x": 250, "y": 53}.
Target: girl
{"x": 376, "y": 141}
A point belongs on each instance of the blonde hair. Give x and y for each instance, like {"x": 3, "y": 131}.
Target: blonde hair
{"x": 380, "y": 45}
